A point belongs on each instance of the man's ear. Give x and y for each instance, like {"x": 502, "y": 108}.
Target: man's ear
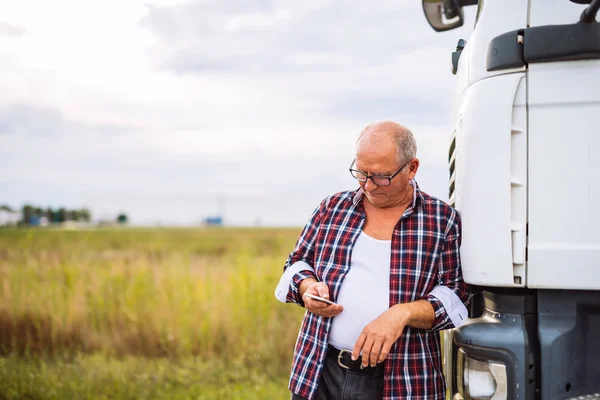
{"x": 414, "y": 167}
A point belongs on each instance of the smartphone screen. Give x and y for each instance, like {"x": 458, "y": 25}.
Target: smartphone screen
{"x": 312, "y": 296}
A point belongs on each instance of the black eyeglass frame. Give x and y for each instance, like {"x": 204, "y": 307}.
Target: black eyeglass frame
{"x": 367, "y": 176}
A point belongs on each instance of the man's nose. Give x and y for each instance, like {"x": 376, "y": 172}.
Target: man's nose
{"x": 369, "y": 185}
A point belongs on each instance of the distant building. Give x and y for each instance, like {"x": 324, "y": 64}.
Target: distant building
{"x": 36, "y": 220}
{"x": 213, "y": 221}
{"x": 9, "y": 218}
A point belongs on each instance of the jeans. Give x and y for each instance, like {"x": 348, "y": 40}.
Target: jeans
{"x": 337, "y": 383}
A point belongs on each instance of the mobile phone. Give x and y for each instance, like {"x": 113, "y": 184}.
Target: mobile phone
{"x": 312, "y": 296}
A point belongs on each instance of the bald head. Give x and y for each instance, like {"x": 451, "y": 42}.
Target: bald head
{"x": 383, "y": 136}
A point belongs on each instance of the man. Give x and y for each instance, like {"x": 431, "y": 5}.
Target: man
{"x": 387, "y": 254}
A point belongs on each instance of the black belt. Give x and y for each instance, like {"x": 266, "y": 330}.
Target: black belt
{"x": 343, "y": 358}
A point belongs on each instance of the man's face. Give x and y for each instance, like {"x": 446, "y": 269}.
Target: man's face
{"x": 377, "y": 156}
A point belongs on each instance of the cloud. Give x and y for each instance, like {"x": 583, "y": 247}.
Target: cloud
{"x": 353, "y": 61}
{"x": 8, "y": 29}
{"x": 28, "y": 120}
{"x": 372, "y": 107}
{"x": 260, "y": 36}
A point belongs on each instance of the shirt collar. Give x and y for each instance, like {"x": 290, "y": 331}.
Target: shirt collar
{"x": 417, "y": 194}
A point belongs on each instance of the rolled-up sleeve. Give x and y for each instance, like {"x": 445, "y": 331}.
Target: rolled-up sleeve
{"x": 300, "y": 263}
{"x": 450, "y": 296}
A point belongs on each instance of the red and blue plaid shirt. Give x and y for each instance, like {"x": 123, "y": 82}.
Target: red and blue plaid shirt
{"x": 425, "y": 254}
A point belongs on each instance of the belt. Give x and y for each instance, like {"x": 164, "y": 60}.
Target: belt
{"x": 343, "y": 358}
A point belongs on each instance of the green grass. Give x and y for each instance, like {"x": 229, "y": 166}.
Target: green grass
{"x": 193, "y": 310}
{"x": 99, "y": 377}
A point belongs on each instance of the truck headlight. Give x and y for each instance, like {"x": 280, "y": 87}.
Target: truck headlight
{"x": 480, "y": 380}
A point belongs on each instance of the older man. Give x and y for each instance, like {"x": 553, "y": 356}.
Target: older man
{"x": 387, "y": 254}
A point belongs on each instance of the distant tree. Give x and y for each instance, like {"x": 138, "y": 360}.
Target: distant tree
{"x": 61, "y": 215}
{"x": 84, "y": 215}
{"x": 5, "y": 207}
{"x": 27, "y": 212}
{"x": 122, "y": 219}
{"x": 55, "y": 217}
{"x": 72, "y": 215}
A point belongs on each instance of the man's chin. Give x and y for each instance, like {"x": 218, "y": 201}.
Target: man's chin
{"x": 377, "y": 199}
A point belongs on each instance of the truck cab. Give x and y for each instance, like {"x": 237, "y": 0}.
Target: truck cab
{"x": 524, "y": 168}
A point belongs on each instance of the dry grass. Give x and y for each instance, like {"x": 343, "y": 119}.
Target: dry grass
{"x": 153, "y": 293}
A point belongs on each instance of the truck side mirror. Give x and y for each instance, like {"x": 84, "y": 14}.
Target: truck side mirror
{"x": 443, "y": 15}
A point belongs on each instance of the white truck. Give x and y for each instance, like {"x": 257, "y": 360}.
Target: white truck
{"x": 525, "y": 177}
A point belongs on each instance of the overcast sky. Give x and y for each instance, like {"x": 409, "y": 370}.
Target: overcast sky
{"x": 161, "y": 108}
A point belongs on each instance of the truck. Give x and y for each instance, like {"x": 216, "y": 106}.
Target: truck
{"x": 524, "y": 167}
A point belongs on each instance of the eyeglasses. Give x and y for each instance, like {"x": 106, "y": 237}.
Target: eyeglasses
{"x": 379, "y": 180}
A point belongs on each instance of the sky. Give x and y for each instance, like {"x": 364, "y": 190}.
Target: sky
{"x": 171, "y": 111}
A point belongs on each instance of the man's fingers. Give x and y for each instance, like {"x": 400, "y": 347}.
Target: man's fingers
{"x": 366, "y": 351}
{"x": 385, "y": 350}
{"x": 358, "y": 346}
{"x": 319, "y": 307}
{"x": 323, "y": 291}
{"x": 323, "y": 309}
{"x": 374, "y": 353}
{"x": 332, "y": 311}
{"x": 319, "y": 289}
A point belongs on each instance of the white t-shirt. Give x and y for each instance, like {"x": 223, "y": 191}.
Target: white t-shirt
{"x": 365, "y": 293}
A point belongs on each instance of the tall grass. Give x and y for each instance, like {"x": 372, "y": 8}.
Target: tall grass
{"x": 157, "y": 293}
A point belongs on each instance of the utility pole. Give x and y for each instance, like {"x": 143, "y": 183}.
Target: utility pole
{"x": 221, "y": 207}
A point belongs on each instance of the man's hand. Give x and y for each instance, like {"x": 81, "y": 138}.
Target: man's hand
{"x": 377, "y": 338}
{"x": 315, "y": 306}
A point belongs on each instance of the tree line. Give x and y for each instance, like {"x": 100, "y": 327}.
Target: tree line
{"x": 30, "y": 214}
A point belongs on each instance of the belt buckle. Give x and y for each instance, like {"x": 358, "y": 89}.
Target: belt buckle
{"x": 340, "y": 355}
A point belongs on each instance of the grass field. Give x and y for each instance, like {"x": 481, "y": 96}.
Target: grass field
{"x": 156, "y": 313}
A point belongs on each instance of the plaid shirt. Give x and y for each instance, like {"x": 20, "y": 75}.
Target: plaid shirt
{"x": 425, "y": 254}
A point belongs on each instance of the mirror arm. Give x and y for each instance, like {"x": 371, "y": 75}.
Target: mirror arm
{"x": 465, "y": 3}
{"x": 589, "y": 14}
